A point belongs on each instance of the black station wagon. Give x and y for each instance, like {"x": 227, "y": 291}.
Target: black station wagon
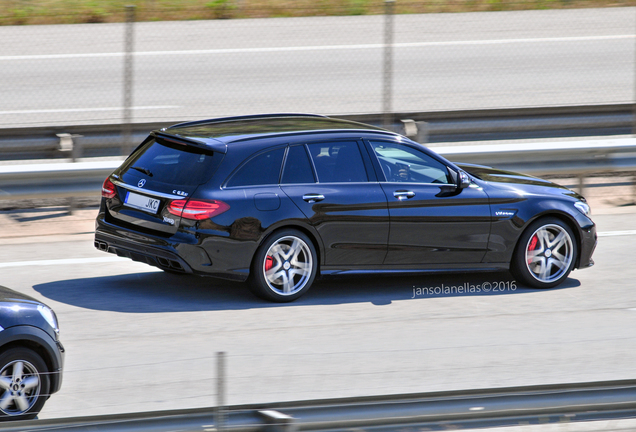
{"x": 277, "y": 200}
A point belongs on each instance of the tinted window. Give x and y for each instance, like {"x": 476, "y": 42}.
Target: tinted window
{"x": 338, "y": 162}
{"x": 262, "y": 169}
{"x": 402, "y": 163}
{"x": 173, "y": 163}
{"x": 297, "y": 167}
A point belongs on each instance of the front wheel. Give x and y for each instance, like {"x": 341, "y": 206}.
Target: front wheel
{"x": 545, "y": 253}
{"x": 24, "y": 384}
{"x": 284, "y": 267}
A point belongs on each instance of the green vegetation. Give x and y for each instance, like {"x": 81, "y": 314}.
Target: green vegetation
{"x": 20, "y": 12}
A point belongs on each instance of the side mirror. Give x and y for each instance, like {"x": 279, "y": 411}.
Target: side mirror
{"x": 463, "y": 180}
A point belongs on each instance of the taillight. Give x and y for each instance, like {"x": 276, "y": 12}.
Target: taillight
{"x": 108, "y": 189}
{"x": 197, "y": 209}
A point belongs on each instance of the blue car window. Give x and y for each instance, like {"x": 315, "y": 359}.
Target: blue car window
{"x": 262, "y": 169}
{"x": 401, "y": 163}
{"x": 339, "y": 161}
{"x": 297, "y": 167}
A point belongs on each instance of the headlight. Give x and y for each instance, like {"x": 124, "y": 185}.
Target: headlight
{"x": 583, "y": 208}
{"x": 49, "y": 316}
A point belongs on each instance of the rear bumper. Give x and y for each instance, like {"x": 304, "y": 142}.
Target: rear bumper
{"x": 169, "y": 254}
{"x": 154, "y": 256}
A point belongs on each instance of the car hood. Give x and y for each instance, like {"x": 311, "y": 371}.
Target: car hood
{"x": 18, "y": 309}
{"x": 518, "y": 181}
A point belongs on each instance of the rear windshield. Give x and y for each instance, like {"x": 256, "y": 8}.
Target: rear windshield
{"x": 173, "y": 163}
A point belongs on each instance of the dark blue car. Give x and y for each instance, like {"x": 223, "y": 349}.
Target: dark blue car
{"x": 31, "y": 355}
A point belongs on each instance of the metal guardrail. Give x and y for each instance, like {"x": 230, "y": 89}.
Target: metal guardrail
{"x": 450, "y": 410}
{"x": 434, "y": 127}
{"x": 577, "y": 158}
{"x": 54, "y": 180}
{"x": 80, "y": 179}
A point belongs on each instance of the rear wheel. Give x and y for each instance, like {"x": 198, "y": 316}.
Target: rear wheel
{"x": 284, "y": 267}
{"x": 545, "y": 253}
{"x": 24, "y": 384}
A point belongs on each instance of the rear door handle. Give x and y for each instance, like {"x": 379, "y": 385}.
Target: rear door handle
{"x": 403, "y": 194}
{"x": 312, "y": 198}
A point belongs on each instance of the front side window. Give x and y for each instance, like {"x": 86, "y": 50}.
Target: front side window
{"x": 338, "y": 161}
{"x": 401, "y": 163}
{"x": 262, "y": 169}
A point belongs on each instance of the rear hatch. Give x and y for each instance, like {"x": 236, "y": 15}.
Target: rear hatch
{"x": 156, "y": 180}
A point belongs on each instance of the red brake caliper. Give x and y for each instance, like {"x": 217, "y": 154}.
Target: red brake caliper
{"x": 532, "y": 246}
{"x": 269, "y": 263}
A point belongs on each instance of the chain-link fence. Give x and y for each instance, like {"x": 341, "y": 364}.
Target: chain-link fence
{"x": 186, "y": 70}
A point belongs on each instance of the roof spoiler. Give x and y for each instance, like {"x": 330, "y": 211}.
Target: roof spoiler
{"x": 216, "y": 146}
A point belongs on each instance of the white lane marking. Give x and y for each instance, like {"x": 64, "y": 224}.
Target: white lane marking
{"x": 318, "y": 47}
{"x": 616, "y": 233}
{"x": 69, "y": 110}
{"x": 58, "y": 262}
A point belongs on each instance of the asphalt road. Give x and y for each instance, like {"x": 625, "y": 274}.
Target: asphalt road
{"x": 139, "y": 340}
{"x": 333, "y": 65}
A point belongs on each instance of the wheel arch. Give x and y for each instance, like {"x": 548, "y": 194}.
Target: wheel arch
{"x": 38, "y": 341}
{"x": 33, "y": 346}
{"x": 311, "y": 234}
{"x": 563, "y": 217}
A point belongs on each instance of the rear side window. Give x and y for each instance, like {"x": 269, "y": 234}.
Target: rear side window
{"x": 338, "y": 161}
{"x": 262, "y": 169}
{"x": 297, "y": 167}
{"x": 173, "y": 163}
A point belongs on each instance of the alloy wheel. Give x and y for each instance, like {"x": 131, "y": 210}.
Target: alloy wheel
{"x": 288, "y": 265}
{"x": 549, "y": 253}
{"x": 19, "y": 387}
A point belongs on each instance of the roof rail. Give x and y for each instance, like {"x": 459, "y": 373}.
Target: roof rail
{"x": 246, "y": 117}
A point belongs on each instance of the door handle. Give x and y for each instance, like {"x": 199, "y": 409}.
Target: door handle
{"x": 403, "y": 194}
{"x": 312, "y": 198}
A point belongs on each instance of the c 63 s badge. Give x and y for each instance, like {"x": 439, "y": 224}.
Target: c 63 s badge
{"x": 168, "y": 220}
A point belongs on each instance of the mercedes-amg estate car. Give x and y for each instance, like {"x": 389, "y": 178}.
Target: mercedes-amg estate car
{"x": 31, "y": 355}
{"x": 278, "y": 200}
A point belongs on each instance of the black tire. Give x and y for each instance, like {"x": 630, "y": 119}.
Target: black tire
{"x": 545, "y": 253}
{"x": 26, "y": 384}
{"x": 284, "y": 266}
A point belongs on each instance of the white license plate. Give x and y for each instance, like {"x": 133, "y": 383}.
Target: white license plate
{"x": 141, "y": 202}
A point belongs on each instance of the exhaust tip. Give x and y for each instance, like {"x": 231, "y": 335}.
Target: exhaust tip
{"x": 176, "y": 265}
{"x": 102, "y": 246}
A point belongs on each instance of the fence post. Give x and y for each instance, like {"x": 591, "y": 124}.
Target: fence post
{"x": 220, "y": 414}
{"x": 634, "y": 104}
{"x": 126, "y": 131}
{"x": 387, "y": 116}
